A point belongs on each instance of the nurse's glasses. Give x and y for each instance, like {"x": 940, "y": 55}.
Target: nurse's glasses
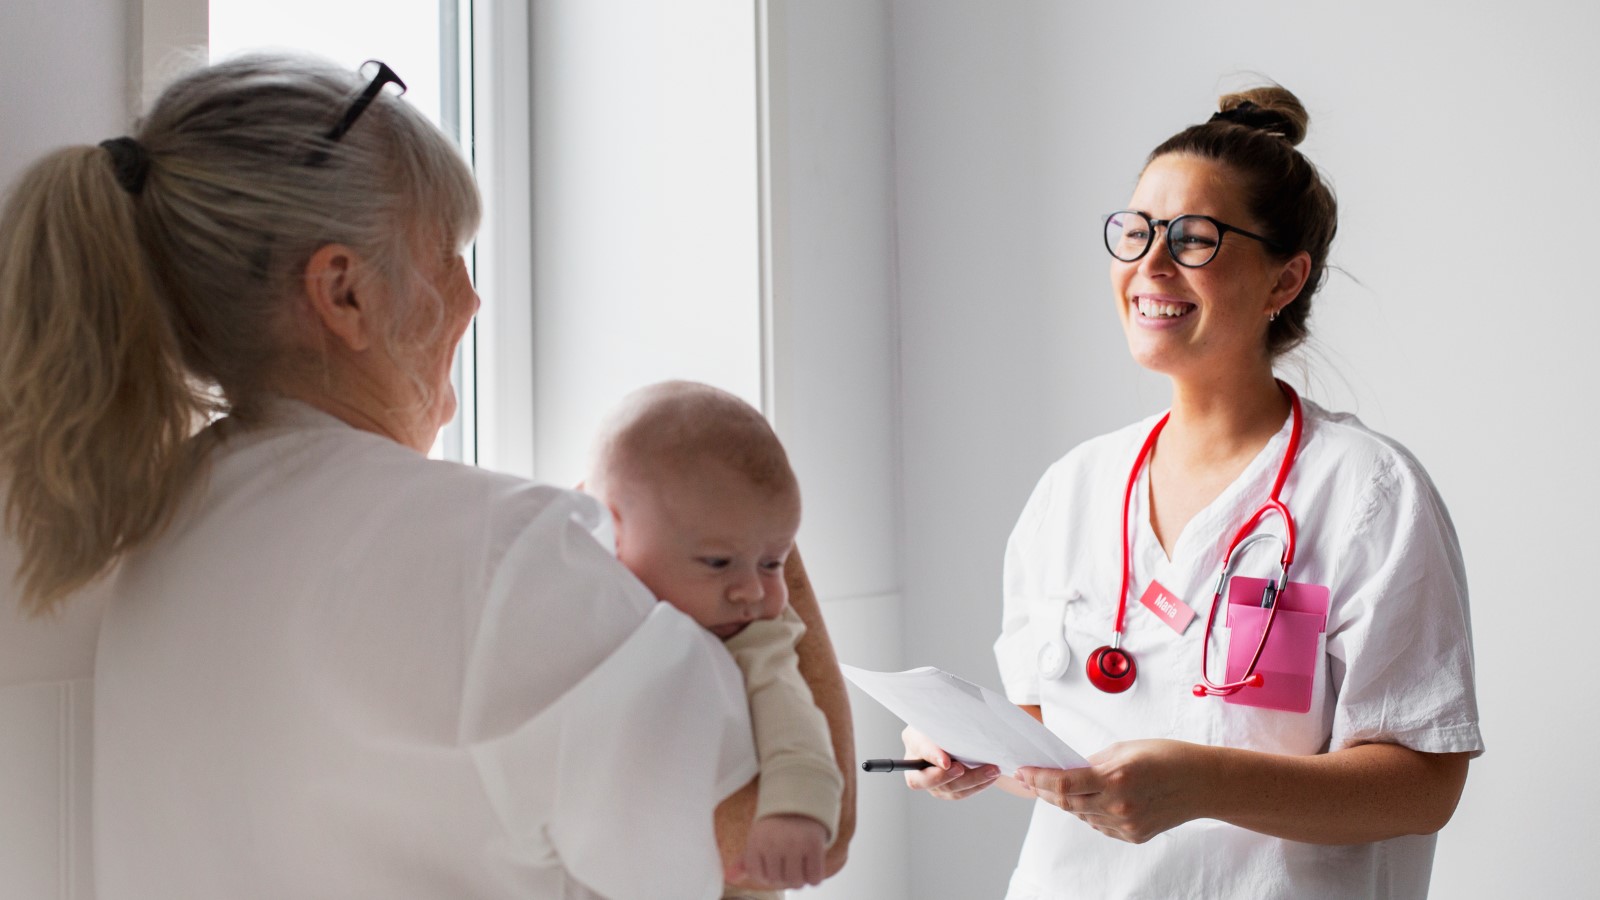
{"x": 1192, "y": 240}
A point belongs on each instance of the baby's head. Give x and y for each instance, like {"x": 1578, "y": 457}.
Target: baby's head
{"x": 705, "y": 504}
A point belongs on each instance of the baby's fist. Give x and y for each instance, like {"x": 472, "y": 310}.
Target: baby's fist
{"x": 786, "y": 850}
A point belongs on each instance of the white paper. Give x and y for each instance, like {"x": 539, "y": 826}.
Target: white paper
{"x": 973, "y": 724}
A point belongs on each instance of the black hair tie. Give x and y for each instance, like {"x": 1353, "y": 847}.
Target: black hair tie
{"x": 130, "y": 162}
{"x": 1250, "y": 115}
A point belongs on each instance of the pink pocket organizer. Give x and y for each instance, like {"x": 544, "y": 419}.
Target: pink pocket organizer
{"x": 1289, "y": 661}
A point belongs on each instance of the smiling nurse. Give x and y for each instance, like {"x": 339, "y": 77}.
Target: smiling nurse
{"x": 1322, "y": 756}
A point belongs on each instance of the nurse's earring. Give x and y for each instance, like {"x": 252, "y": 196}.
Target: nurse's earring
{"x": 1272, "y": 316}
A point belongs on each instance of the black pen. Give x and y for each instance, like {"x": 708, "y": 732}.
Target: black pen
{"x": 895, "y": 765}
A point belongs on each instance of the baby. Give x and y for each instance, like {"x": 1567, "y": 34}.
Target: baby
{"x": 706, "y": 509}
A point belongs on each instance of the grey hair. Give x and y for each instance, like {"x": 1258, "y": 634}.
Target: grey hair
{"x": 126, "y": 321}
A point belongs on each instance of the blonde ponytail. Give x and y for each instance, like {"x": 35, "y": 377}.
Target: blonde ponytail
{"x": 151, "y": 282}
{"x": 96, "y": 410}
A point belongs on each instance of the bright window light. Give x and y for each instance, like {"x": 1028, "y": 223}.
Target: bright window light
{"x": 403, "y": 33}
{"x": 422, "y": 41}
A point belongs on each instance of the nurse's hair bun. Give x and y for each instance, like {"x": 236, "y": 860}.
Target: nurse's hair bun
{"x": 1254, "y": 136}
{"x": 1270, "y": 108}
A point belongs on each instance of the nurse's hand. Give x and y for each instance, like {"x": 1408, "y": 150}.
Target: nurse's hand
{"x": 950, "y": 780}
{"x": 1131, "y": 791}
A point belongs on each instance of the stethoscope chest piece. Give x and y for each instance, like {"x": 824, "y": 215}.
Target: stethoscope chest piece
{"x": 1111, "y": 669}
{"x": 1055, "y": 657}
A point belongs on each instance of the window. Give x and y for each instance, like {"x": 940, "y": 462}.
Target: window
{"x": 646, "y": 229}
{"x": 428, "y": 43}
{"x": 616, "y": 146}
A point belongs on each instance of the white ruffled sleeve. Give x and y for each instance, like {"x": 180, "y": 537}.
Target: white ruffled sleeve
{"x": 605, "y": 726}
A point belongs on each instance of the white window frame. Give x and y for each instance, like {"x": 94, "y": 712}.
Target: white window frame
{"x": 503, "y": 159}
{"x": 497, "y": 424}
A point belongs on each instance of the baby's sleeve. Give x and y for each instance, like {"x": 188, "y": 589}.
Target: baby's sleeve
{"x": 799, "y": 775}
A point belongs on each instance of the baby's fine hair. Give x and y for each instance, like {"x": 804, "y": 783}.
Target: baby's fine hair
{"x": 670, "y": 427}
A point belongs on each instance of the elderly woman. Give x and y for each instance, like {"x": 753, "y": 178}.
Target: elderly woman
{"x": 330, "y": 666}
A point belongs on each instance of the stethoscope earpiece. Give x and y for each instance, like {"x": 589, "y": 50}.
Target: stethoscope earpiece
{"x": 1111, "y": 669}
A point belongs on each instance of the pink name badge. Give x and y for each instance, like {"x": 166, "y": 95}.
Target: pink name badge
{"x": 1166, "y": 605}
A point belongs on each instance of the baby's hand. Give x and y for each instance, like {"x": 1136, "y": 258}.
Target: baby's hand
{"x": 786, "y": 850}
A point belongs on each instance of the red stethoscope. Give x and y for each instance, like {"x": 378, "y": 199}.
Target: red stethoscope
{"x": 1111, "y": 668}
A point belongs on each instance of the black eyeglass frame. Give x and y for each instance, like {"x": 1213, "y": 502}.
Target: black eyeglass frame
{"x": 358, "y": 106}
{"x": 1223, "y": 228}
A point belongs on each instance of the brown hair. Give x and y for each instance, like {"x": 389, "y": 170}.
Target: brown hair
{"x": 1255, "y": 133}
{"x": 134, "y": 308}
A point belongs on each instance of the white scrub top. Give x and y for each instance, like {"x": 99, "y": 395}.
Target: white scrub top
{"x": 1396, "y": 663}
{"x": 348, "y": 671}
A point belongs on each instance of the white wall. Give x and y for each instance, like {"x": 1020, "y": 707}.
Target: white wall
{"x": 64, "y": 70}
{"x": 1460, "y": 144}
{"x": 645, "y": 211}
{"x": 64, "y": 67}
{"x": 981, "y": 369}
{"x": 834, "y": 367}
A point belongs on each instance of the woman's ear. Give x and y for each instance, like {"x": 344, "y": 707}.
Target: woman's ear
{"x": 1291, "y": 280}
{"x": 336, "y": 289}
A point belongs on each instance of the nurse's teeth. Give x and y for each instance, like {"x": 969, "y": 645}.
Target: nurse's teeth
{"x": 1157, "y": 309}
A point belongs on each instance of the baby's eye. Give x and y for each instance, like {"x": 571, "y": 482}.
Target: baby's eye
{"x": 715, "y": 562}
{"x": 773, "y": 565}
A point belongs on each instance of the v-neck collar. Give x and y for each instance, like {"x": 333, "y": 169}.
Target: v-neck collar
{"x": 1215, "y": 520}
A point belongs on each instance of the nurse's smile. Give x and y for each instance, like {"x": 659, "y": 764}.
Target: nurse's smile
{"x": 1160, "y": 311}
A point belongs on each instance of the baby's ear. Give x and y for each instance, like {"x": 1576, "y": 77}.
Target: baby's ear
{"x": 616, "y": 526}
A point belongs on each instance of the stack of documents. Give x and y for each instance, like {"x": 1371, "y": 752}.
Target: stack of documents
{"x": 973, "y": 724}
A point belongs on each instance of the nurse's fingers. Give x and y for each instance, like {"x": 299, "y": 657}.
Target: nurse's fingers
{"x": 953, "y": 783}
{"x": 1080, "y": 805}
{"x": 1106, "y": 830}
{"x": 1121, "y": 833}
{"x": 976, "y": 780}
{"x": 946, "y": 779}
{"x": 920, "y": 746}
{"x": 1062, "y": 782}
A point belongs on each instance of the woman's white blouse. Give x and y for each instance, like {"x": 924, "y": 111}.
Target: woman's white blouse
{"x": 1396, "y": 664}
{"x": 347, "y": 671}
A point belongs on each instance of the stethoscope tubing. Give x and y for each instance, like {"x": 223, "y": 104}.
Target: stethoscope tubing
{"x": 1241, "y": 540}
{"x": 1207, "y": 687}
